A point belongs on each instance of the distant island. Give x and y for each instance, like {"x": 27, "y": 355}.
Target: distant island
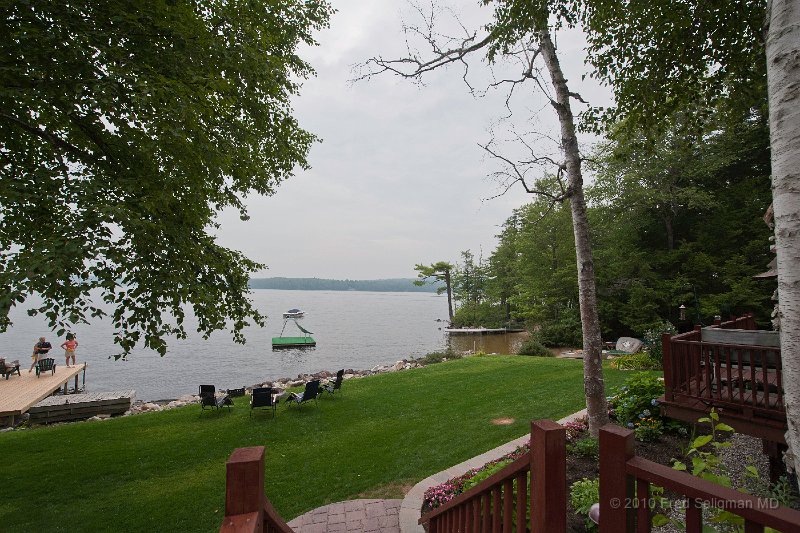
{"x": 317, "y": 284}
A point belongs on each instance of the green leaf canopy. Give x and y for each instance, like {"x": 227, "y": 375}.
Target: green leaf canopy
{"x": 124, "y": 128}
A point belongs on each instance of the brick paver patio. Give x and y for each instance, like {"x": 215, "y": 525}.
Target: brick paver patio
{"x": 354, "y": 516}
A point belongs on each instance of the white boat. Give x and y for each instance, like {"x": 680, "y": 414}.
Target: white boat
{"x": 293, "y": 313}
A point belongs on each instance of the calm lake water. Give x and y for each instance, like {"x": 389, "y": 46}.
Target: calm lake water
{"x": 353, "y": 330}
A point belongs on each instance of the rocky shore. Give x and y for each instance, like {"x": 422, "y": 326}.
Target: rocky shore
{"x": 281, "y": 383}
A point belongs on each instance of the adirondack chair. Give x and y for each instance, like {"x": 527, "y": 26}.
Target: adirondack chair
{"x": 44, "y": 365}
{"x": 333, "y": 386}
{"x": 209, "y": 398}
{"x": 6, "y": 369}
{"x": 310, "y": 393}
{"x": 263, "y": 398}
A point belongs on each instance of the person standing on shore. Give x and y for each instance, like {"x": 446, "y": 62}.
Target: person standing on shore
{"x": 39, "y": 349}
{"x": 69, "y": 346}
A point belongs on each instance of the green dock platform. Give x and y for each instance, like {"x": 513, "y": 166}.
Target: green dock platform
{"x": 292, "y": 342}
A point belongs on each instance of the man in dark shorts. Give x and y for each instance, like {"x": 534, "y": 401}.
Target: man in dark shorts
{"x": 39, "y": 349}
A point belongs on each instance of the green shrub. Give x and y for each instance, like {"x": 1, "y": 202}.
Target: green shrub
{"x": 532, "y": 346}
{"x": 637, "y": 399}
{"x": 487, "y": 472}
{"x": 652, "y": 338}
{"x": 437, "y": 357}
{"x": 565, "y": 331}
{"x": 582, "y": 495}
{"x": 588, "y": 447}
{"x": 636, "y": 361}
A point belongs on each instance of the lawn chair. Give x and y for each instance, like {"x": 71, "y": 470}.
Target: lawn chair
{"x": 6, "y": 369}
{"x": 333, "y": 386}
{"x": 310, "y": 393}
{"x": 44, "y": 365}
{"x": 263, "y": 397}
{"x": 209, "y": 398}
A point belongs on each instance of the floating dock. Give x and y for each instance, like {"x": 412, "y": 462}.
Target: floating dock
{"x": 81, "y": 406}
{"x": 20, "y": 393}
{"x": 293, "y": 342}
{"x": 481, "y": 331}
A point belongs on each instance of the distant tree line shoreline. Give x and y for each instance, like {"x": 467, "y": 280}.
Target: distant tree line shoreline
{"x": 318, "y": 284}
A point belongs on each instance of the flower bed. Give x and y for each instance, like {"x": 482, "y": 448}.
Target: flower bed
{"x": 438, "y": 495}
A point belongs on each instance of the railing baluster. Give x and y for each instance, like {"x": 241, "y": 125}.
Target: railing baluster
{"x": 476, "y": 514}
{"x": 643, "y": 506}
{"x": 463, "y": 518}
{"x": 487, "y": 512}
{"x": 752, "y": 527}
{"x": 694, "y": 517}
{"x": 718, "y": 371}
{"x": 522, "y": 502}
{"x": 508, "y": 506}
{"x": 467, "y": 516}
{"x": 698, "y": 370}
{"x": 765, "y": 377}
{"x": 779, "y": 380}
{"x": 740, "y": 373}
{"x": 753, "y": 381}
{"x": 707, "y": 371}
{"x": 729, "y": 383}
{"x": 496, "y": 511}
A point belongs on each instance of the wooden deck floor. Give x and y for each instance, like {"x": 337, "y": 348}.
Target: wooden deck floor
{"x": 19, "y": 393}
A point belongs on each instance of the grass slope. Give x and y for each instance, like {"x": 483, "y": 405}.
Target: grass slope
{"x": 166, "y": 471}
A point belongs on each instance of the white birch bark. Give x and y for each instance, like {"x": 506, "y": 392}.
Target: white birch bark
{"x": 783, "y": 78}
{"x": 594, "y": 386}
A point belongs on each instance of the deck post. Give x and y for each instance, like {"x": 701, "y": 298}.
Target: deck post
{"x": 548, "y": 500}
{"x": 666, "y": 363}
{"x": 616, "y": 487}
{"x": 244, "y": 482}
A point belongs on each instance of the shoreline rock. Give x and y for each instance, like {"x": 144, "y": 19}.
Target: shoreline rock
{"x": 283, "y": 383}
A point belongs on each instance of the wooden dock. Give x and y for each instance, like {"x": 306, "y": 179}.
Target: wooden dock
{"x": 19, "y": 393}
{"x": 481, "y": 331}
{"x": 66, "y": 407}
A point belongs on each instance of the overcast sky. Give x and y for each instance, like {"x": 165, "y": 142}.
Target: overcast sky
{"x": 399, "y": 178}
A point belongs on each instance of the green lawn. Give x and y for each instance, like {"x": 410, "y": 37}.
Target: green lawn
{"x": 166, "y": 471}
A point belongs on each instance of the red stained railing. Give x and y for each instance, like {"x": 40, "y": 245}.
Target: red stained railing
{"x": 500, "y": 503}
{"x": 625, "y": 493}
{"x": 741, "y": 380}
{"x": 247, "y": 509}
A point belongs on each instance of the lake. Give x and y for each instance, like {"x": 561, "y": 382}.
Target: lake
{"x": 353, "y": 330}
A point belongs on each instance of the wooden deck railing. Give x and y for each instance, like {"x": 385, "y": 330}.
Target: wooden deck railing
{"x": 744, "y": 382}
{"x": 247, "y": 509}
{"x": 501, "y": 503}
{"x": 625, "y": 493}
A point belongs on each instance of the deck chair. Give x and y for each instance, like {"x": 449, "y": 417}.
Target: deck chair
{"x": 333, "y": 386}
{"x": 209, "y": 398}
{"x": 6, "y": 369}
{"x": 43, "y": 365}
{"x": 262, "y": 397}
{"x": 310, "y": 393}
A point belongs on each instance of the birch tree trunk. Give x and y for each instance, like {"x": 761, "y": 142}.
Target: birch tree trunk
{"x": 593, "y": 383}
{"x": 783, "y": 85}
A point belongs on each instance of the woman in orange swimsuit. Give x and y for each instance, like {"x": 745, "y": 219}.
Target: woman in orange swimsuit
{"x": 69, "y": 346}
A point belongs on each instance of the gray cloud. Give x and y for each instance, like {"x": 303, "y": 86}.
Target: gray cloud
{"x": 399, "y": 177}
